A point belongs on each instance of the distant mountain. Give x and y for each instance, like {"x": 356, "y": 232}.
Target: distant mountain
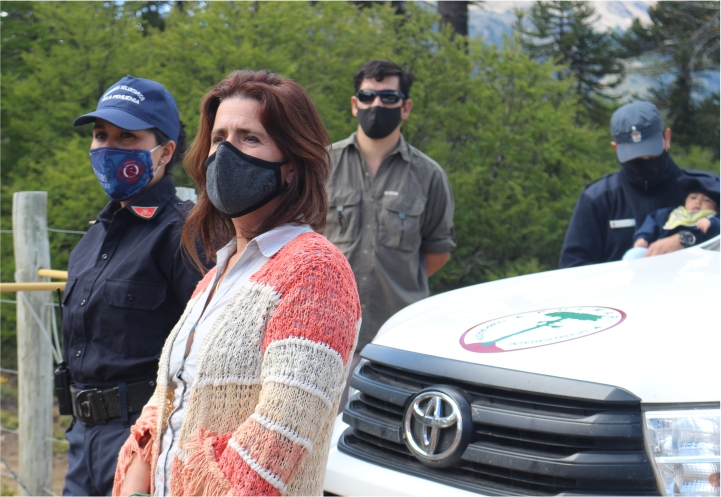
{"x": 491, "y": 20}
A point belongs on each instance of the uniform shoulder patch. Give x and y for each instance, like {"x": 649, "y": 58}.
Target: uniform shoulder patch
{"x": 144, "y": 212}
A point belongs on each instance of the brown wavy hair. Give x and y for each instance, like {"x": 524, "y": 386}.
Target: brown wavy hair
{"x": 289, "y": 116}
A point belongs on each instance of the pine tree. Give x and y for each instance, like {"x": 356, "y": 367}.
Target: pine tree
{"x": 682, "y": 38}
{"x": 562, "y": 31}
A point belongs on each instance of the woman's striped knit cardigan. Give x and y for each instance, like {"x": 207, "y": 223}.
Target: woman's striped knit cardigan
{"x": 269, "y": 378}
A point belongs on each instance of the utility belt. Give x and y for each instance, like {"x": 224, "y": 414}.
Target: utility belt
{"x": 95, "y": 407}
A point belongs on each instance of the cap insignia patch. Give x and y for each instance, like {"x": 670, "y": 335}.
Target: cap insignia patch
{"x": 635, "y": 135}
{"x": 144, "y": 212}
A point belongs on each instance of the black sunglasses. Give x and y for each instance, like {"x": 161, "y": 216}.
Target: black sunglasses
{"x": 387, "y": 96}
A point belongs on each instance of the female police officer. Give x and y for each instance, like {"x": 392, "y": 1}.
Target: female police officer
{"x": 127, "y": 281}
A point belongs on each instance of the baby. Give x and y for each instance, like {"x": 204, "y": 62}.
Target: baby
{"x": 695, "y": 222}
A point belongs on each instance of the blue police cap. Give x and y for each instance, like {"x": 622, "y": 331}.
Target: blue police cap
{"x": 136, "y": 103}
{"x": 707, "y": 184}
{"x": 637, "y": 129}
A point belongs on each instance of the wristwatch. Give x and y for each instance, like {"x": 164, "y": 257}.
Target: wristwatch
{"x": 686, "y": 238}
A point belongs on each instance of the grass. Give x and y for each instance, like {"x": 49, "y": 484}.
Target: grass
{"x": 6, "y": 490}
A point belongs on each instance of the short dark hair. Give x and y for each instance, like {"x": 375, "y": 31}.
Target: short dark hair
{"x": 380, "y": 69}
{"x": 289, "y": 116}
{"x": 181, "y": 147}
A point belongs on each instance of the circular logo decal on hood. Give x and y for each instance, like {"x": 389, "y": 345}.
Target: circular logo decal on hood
{"x": 538, "y": 328}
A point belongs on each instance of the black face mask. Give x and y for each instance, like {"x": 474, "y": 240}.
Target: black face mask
{"x": 237, "y": 183}
{"x": 379, "y": 122}
{"x": 648, "y": 169}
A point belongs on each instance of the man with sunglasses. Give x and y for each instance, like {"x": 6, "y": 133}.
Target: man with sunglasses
{"x": 390, "y": 205}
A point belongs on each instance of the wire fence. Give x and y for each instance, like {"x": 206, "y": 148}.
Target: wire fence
{"x": 11, "y": 473}
{"x": 52, "y": 336}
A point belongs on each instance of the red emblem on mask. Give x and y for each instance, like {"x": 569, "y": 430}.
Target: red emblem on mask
{"x": 130, "y": 172}
{"x": 144, "y": 212}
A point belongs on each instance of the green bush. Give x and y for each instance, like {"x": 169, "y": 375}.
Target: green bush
{"x": 501, "y": 124}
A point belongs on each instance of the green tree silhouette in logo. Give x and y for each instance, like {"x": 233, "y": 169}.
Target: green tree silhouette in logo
{"x": 551, "y": 323}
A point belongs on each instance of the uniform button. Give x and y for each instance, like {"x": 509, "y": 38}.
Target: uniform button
{"x": 82, "y": 302}
{"x": 364, "y": 278}
{"x": 368, "y": 226}
{"x": 78, "y": 353}
{"x": 365, "y": 251}
{"x": 130, "y": 296}
{"x": 104, "y": 256}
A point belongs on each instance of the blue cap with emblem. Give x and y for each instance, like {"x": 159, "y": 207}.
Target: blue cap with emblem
{"x": 637, "y": 129}
{"x": 136, "y": 103}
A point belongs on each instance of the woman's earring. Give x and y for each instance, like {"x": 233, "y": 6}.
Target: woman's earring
{"x": 290, "y": 180}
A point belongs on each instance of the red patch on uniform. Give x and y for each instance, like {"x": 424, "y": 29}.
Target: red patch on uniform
{"x": 146, "y": 212}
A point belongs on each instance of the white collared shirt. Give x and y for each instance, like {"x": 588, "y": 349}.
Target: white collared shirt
{"x": 181, "y": 373}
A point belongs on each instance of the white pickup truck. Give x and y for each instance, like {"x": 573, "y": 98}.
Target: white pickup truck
{"x": 597, "y": 380}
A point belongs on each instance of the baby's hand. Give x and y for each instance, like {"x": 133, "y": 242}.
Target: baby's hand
{"x": 703, "y": 224}
{"x": 641, "y": 243}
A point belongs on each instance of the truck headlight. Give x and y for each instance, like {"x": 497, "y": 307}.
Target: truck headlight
{"x": 684, "y": 449}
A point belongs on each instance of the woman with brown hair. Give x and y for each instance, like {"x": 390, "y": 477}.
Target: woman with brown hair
{"x": 250, "y": 378}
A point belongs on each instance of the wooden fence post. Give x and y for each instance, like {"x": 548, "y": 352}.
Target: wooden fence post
{"x": 35, "y": 363}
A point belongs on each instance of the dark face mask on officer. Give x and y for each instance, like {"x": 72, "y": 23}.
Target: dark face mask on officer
{"x": 648, "y": 169}
{"x": 123, "y": 173}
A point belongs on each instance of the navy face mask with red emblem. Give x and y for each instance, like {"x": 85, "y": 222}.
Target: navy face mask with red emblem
{"x": 122, "y": 173}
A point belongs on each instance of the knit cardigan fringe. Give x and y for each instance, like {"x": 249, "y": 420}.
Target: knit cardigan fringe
{"x": 270, "y": 373}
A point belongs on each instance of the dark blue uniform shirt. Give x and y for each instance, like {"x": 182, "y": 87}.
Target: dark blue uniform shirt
{"x": 128, "y": 284}
{"x": 610, "y": 210}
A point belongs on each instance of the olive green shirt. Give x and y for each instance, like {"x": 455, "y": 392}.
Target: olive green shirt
{"x": 384, "y": 225}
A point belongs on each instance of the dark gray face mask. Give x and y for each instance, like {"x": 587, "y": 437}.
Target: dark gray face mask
{"x": 237, "y": 183}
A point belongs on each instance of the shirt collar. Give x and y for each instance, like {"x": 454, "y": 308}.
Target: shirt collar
{"x": 269, "y": 243}
{"x": 401, "y": 148}
{"x": 147, "y": 205}
{"x": 272, "y": 241}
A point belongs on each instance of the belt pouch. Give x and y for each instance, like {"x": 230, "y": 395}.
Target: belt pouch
{"x": 62, "y": 389}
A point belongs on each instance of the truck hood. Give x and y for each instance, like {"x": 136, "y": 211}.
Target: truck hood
{"x": 649, "y": 326}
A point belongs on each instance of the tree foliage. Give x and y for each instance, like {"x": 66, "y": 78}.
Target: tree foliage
{"x": 499, "y": 122}
{"x": 562, "y": 31}
{"x": 683, "y": 39}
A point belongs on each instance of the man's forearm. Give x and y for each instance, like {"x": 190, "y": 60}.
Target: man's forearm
{"x": 664, "y": 246}
{"x": 435, "y": 262}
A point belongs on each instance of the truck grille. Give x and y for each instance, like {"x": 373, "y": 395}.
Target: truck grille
{"x": 523, "y": 442}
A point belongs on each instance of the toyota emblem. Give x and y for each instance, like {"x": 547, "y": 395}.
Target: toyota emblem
{"x": 438, "y": 426}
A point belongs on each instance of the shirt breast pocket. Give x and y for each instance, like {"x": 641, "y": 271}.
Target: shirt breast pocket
{"x": 344, "y": 215}
{"x": 129, "y": 316}
{"x": 399, "y": 226}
